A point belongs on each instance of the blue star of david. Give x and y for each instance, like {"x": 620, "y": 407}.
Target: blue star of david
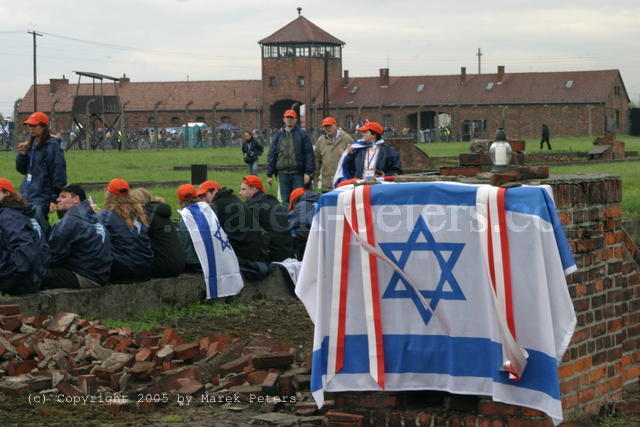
{"x": 218, "y": 235}
{"x": 446, "y": 267}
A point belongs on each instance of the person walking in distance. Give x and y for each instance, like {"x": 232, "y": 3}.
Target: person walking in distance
{"x": 545, "y": 137}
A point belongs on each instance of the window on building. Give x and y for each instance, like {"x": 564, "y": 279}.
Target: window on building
{"x": 301, "y": 81}
{"x": 272, "y": 81}
{"x": 616, "y": 90}
{"x": 387, "y": 121}
{"x": 152, "y": 120}
{"x": 489, "y": 86}
{"x": 200, "y": 119}
{"x": 569, "y": 84}
{"x": 225, "y": 119}
{"x": 354, "y": 90}
{"x": 420, "y": 88}
{"x": 349, "y": 121}
{"x": 175, "y": 120}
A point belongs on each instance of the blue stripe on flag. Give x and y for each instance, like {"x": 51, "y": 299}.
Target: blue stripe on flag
{"x": 207, "y": 240}
{"x": 438, "y": 354}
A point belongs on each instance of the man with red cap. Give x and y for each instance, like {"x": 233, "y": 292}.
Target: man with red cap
{"x": 272, "y": 218}
{"x": 371, "y": 157}
{"x": 24, "y": 252}
{"x": 41, "y": 161}
{"x": 302, "y": 206}
{"x": 291, "y": 156}
{"x": 329, "y": 149}
{"x": 236, "y": 220}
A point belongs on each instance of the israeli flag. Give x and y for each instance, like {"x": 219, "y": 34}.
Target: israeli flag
{"x": 217, "y": 258}
{"x": 439, "y": 286}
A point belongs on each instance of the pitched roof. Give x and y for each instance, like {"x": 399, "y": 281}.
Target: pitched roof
{"x": 301, "y": 30}
{"x": 142, "y": 96}
{"x": 514, "y": 88}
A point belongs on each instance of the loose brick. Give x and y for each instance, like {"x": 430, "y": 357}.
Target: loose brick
{"x": 11, "y": 323}
{"x": 272, "y": 360}
{"x": 120, "y": 406}
{"x": 187, "y": 351}
{"x": 256, "y": 377}
{"x": 270, "y": 384}
{"x": 190, "y": 387}
{"x": 60, "y": 323}
{"x": 334, "y": 417}
{"x": 9, "y": 310}
{"x": 68, "y": 389}
{"x": 234, "y": 366}
{"x": 143, "y": 354}
{"x": 88, "y": 384}
{"x": 169, "y": 336}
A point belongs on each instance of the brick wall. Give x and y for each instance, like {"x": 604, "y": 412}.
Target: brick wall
{"x": 604, "y": 354}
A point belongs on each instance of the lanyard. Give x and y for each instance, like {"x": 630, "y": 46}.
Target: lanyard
{"x": 371, "y": 156}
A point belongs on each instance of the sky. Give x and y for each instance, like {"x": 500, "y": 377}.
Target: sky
{"x": 179, "y": 40}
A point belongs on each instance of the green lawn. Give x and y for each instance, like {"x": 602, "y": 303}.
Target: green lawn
{"x": 157, "y": 165}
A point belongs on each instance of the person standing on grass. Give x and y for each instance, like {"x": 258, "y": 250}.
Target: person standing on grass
{"x": 290, "y": 156}
{"x": 41, "y": 161}
{"x": 329, "y": 149}
{"x": 127, "y": 224}
{"x": 24, "y": 252}
{"x": 545, "y": 137}
{"x": 80, "y": 245}
{"x": 168, "y": 257}
{"x": 252, "y": 149}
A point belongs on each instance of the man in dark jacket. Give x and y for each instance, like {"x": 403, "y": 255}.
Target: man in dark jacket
{"x": 545, "y": 137}
{"x": 291, "y": 156}
{"x": 42, "y": 162}
{"x": 24, "y": 252}
{"x": 371, "y": 157}
{"x": 237, "y": 220}
{"x": 301, "y": 209}
{"x": 168, "y": 258}
{"x": 80, "y": 246}
{"x": 271, "y": 215}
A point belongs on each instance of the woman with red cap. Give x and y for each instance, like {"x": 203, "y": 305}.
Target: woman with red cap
{"x": 370, "y": 157}
{"x": 41, "y": 161}
{"x": 24, "y": 252}
{"x": 127, "y": 224}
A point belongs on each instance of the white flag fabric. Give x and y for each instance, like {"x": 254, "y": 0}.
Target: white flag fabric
{"x": 439, "y": 286}
{"x": 217, "y": 258}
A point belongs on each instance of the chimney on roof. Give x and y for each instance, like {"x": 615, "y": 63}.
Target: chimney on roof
{"x": 123, "y": 80}
{"x": 463, "y": 75}
{"x": 384, "y": 77}
{"x": 57, "y": 84}
{"x": 500, "y": 72}
{"x": 345, "y": 78}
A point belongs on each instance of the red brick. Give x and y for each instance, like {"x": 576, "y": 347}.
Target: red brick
{"x": 517, "y": 145}
{"x": 528, "y": 422}
{"x": 68, "y": 389}
{"x": 234, "y": 366}
{"x": 120, "y": 406}
{"x": 169, "y": 336}
{"x": 529, "y": 412}
{"x": 60, "y": 323}
{"x": 88, "y": 384}
{"x": 190, "y": 387}
{"x": 16, "y": 367}
{"x": 123, "y": 343}
{"x": 257, "y": 377}
{"x": 15, "y": 389}
{"x": 272, "y": 360}
{"x": 344, "y": 417}
{"x": 613, "y": 211}
{"x": 489, "y": 407}
{"x": 169, "y": 379}
{"x": 11, "y": 323}
{"x": 143, "y": 354}
{"x": 187, "y": 351}
{"x": 9, "y": 310}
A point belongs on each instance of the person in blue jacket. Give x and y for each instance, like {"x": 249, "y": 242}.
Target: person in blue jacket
{"x": 371, "y": 157}
{"x": 24, "y": 252}
{"x": 127, "y": 225}
{"x": 80, "y": 245}
{"x": 302, "y": 206}
{"x": 41, "y": 161}
{"x": 291, "y": 157}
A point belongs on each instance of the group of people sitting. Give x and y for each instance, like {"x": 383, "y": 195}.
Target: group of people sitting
{"x": 134, "y": 238}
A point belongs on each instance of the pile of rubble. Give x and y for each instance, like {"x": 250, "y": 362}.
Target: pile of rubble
{"x": 81, "y": 359}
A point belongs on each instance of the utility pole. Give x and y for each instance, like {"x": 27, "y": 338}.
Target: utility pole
{"x": 325, "y": 101}
{"x": 479, "y": 54}
{"x": 35, "y": 80}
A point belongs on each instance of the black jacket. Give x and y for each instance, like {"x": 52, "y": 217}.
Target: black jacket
{"x": 272, "y": 217}
{"x": 48, "y": 172}
{"x": 129, "y": 246}
{"x": 251, "y": 150}
{"x": 245, "y": 235}
{"x": 168, "y": 258}
{"x": 81, "y": 244}
{"x": 302, "y": 146}
{"x": 387, "y": 161}
{"x": 23, "y": 247}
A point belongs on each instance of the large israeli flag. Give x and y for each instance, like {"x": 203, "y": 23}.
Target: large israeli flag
{"x": 439, "y": 286}
{"x": 217, "y": 258}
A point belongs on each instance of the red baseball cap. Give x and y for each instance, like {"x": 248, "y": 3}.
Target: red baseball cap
{"x": 295, "y": 195}
{"x": 374, "y": 126}
{"x": 206, "y": 186}
{"x": 5, "y": 184}
{"x": 37, "y": 118}
{"x": 253, "y": 181}
{"x": 290, "y": 113}
{"x": 328, "y": 121}
{"x": 186, "y": 192}
{"x": 119, "y": 187}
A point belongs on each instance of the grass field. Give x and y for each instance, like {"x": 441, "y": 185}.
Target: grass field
{"x": 157, "y": 165}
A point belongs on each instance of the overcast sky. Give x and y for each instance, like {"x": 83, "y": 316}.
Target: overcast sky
{"x": 168, "y": 40}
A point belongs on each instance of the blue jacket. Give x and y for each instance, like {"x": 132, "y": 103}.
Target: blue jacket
{"x": 129, "y": 246}
{"x": 81, "y": 244}
{"x": 23, "y": 245}
{"x": 388, "y": 161}
{"x": 48, "y": 172}
{"x": 303, "y": 148}
{"x": 302, "y": 214}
